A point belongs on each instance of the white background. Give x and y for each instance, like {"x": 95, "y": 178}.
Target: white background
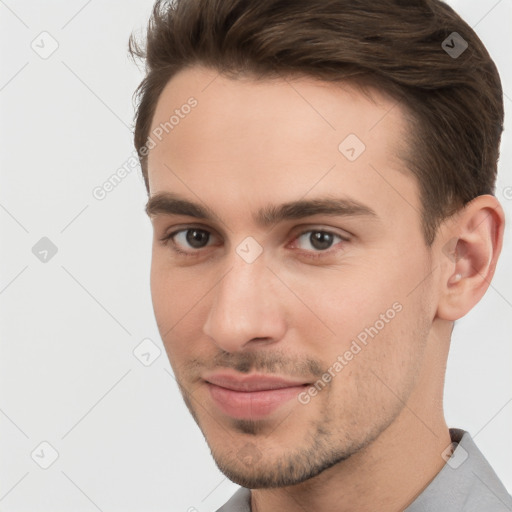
{"x": 68, "y": 376}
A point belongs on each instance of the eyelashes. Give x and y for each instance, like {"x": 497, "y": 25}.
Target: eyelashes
{"x": 185, "y": 241}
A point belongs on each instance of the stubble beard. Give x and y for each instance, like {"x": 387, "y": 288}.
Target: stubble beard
{"x": 322, "y": 447}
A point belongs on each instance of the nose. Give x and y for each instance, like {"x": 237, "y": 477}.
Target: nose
{"x": 246, "y": 307}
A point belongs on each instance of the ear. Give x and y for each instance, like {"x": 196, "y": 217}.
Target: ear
{"x": 468, "y": 249}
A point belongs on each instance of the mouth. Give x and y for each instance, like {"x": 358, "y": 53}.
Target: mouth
{"x": 251, "y": 396}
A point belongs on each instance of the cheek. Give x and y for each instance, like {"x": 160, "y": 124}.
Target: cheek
{"x": 161, "y": 285}
{"x": 174, "y": 300}
{"x": 346, "y": 301}
{"x": 173, "y": 291}
{"x": 180, "y": 304}
{"x": 368, "y": 317}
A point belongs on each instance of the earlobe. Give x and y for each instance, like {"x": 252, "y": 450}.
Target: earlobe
{"x": 468, "y": 258}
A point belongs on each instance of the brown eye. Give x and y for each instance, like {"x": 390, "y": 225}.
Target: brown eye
{"x": 321, "y": 239}
{"x": 188, "y": 241}
{"x": 197, "y": 238}
{"x": 317, "y": 240}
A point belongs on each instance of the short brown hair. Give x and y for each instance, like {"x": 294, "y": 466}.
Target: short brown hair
{"x": 393, "y": 45}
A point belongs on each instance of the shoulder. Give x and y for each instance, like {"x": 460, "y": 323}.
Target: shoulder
{"x": 466, "y": 483}
{"x": 239, "y": 502}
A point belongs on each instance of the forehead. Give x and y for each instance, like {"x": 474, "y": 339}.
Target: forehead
{"x": 248, "y": 140}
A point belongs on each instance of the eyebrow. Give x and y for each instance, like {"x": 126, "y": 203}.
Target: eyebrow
{"x": 167, "y": 203}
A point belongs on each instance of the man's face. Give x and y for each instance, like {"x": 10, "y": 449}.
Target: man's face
{"x": 341, "y": 298}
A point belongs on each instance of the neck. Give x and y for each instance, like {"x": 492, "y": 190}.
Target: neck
{"x": 389, "y": 473}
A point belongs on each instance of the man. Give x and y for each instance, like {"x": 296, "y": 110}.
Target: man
{"x": 320, "y": 178}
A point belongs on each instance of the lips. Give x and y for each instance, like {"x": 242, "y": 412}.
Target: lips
{"x": 251, "y": 396}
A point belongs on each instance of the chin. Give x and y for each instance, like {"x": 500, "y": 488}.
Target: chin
{"x": 252, "y": 468}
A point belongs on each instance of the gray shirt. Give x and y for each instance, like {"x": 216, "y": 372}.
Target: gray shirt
{"x": 465, "y": 483}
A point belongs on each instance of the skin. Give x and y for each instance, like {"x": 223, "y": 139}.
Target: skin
{"x": 376, "y": 432}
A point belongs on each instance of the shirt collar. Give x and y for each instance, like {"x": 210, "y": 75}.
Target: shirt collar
{"x": 466, "y": 482}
